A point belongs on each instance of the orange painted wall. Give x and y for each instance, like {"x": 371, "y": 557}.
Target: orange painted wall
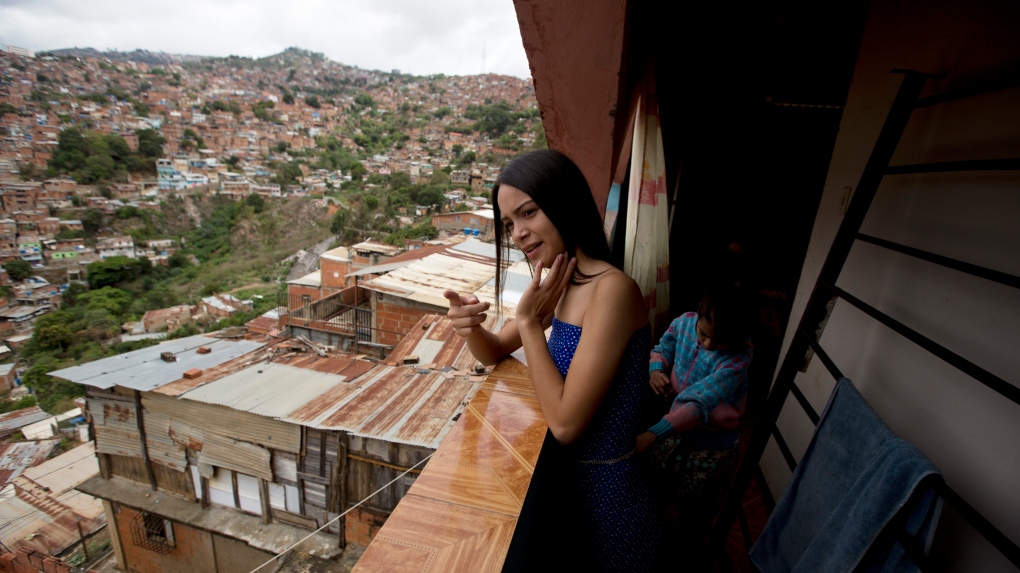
{"x": 575, "y": 51}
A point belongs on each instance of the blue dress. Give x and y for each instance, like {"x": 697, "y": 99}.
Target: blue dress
{"x": 615, "y": 493}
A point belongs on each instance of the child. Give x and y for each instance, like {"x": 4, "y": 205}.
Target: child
{"x": 702, "y": 360}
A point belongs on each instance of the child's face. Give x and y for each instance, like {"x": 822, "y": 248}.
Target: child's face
{"x": 707, "y": 335}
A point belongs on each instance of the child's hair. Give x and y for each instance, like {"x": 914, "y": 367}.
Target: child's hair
{"x": 726, "y": 306}
{"x": 559, "y": 188}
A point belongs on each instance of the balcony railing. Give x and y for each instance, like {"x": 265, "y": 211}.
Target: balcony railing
{"x": 336, "y": 320}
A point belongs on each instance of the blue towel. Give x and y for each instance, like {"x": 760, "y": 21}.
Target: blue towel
{"x": 855, "y": 477}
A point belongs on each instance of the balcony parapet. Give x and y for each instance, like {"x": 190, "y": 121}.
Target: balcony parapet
{"x": 461, "y": 512}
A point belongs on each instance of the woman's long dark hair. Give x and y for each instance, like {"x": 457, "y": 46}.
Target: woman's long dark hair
{"x": 560, "y": 189}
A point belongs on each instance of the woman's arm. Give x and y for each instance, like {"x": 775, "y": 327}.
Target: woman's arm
{"x": 467, "y": 315}
{"x": 570, "y": 404}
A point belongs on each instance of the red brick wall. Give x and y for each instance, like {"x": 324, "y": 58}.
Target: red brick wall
{"x": 361, "y": 526}
{"x": 394, "y": 321}
{"x": 295, "y": 292}
{"x": 28, "y": 561}
{"x": 330, "y": 267}
{"x": 192, "y": 551}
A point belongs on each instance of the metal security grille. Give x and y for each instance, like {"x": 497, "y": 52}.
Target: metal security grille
{"x": 153, "y": 533}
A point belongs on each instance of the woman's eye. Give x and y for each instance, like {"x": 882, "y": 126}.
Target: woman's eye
{"x": 528, "y": 213}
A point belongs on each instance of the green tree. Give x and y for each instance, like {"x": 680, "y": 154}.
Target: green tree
{"x": 54, "y": 336}
{"x": 439, "y": 177}
{"x": 71, "y": 294}
{"x": 357, "y": 171}
{"x": 115, "y": 270}
{"x": 18, "y": 269}
{"x": 467, "y": 159}
{"x": 150, "y": 143}
{"x": 91, "y": 221}
{"x": 313, "y": 101}
{"x": 289, "y": 174}
{"x": 109, "y": 299}
{"x": 288, "y": 98}
{"x": 256, "y": 201}
{"x": 491, "y": 119}
{"x": 339, "y": 222}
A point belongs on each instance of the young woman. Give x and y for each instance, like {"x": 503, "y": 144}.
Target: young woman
{"x": 591, "y": 377}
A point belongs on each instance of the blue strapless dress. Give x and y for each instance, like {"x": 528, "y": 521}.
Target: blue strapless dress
{"x": 614, "y": 491}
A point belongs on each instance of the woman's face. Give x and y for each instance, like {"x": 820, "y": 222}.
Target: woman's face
{"x": 529, "y": 227}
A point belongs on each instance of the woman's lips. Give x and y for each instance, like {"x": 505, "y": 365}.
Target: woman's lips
{"x": 532, "y": 251}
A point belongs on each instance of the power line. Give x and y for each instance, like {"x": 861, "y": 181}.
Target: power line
{"x": 327, "y": 524}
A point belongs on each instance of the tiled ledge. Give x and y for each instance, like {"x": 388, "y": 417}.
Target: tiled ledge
{"x": 461, "y": 512}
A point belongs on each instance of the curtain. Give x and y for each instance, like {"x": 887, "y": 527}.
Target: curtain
{"x": 646, "y": 247}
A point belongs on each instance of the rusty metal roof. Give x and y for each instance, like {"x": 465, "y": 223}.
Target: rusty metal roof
{"x": 44, "y": 513}
{"x": 15, "y": 458}
{"x": 408, "y": 405}
{"x": 12, "y": 421}
{"x": 425, "y": 280}
{"x": 464, "y": 267}
{"x": 437, "y": 346}
{"x": 397, "y": 404}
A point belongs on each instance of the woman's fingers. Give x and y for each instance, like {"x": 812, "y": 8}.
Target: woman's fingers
{"x": 466, "y": 313}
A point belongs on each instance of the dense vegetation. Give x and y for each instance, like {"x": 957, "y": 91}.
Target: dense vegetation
{"x": 91, "y": 157}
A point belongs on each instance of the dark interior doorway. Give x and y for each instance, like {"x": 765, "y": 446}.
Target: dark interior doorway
{"x": 750, "y": 100}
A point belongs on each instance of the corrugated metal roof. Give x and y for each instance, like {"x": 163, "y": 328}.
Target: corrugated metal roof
{"x": 389, "y": 403}
{"x": 435, "y": 343}
{"x": 379, "y": 269}
{"x": 67, "y": 470}
{"x": 144, "y": 369}
{"x": 45, "y": 512}
{"x": 272, "y": 390}
{"x": 426, "y": 279}
{"x": 17, "y": 419}
{"x": 15, "y": 458}
{"x": 476, "y": 247}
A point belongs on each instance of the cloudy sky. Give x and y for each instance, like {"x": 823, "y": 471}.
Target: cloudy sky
{"x": 415, "y": 36}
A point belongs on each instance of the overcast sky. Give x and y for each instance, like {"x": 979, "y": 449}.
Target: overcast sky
{"x": 422, "y": 37}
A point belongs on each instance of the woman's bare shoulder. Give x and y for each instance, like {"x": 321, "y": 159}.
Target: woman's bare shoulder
{"x": 616, "y": 286}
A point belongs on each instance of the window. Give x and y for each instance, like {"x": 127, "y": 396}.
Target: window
{"x": 152, "y": 532}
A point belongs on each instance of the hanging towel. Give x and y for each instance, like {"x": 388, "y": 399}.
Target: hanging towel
{"x": 854, "y": 479}
{"x": 646, "y": 249}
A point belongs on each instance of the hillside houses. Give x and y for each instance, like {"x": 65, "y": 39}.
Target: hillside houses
{"x": 251, "y": 444}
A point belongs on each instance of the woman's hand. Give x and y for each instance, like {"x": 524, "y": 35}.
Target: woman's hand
{"x": 644, "y": 441}
{"x": 466, "y": 313}
{"x": 660, "y": 383}
{"x": 540, "y": 298}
